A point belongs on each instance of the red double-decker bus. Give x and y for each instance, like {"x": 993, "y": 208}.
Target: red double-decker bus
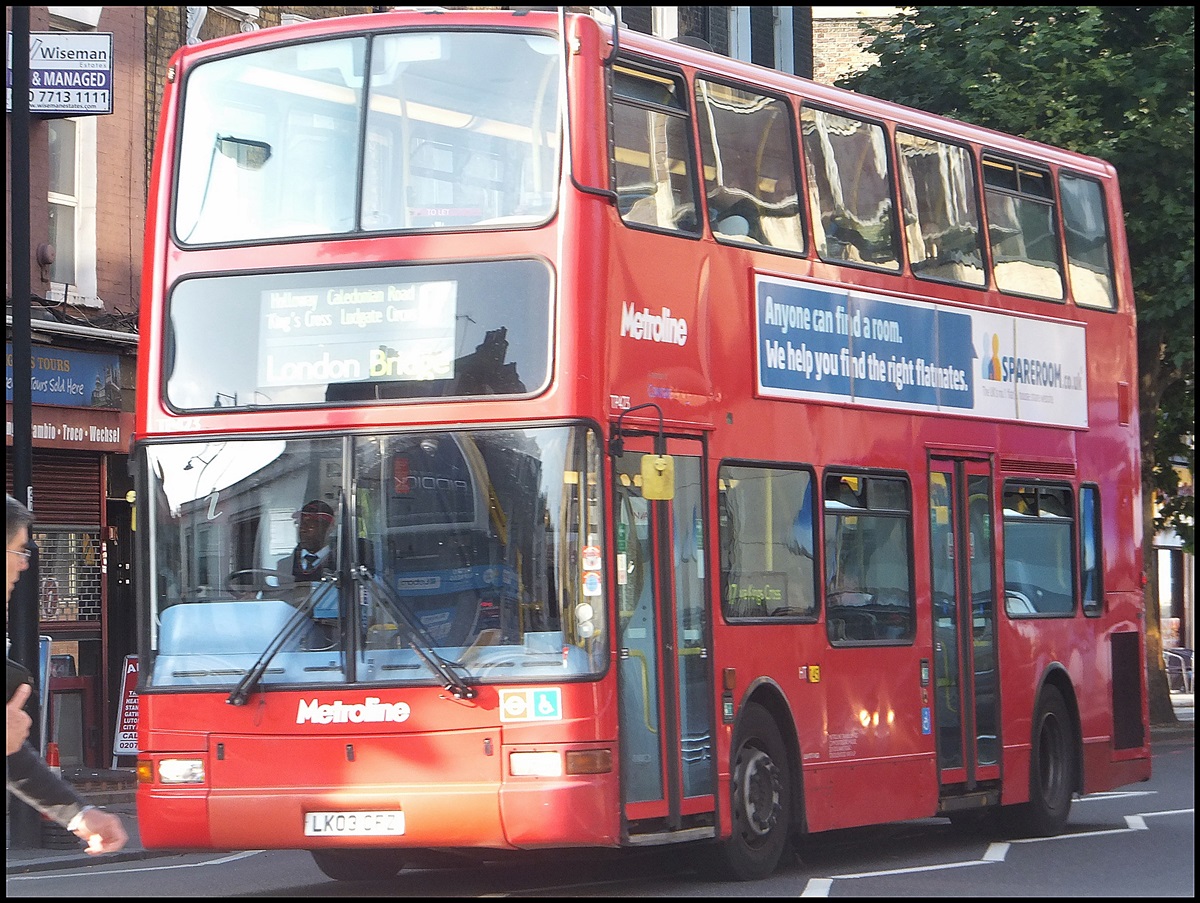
{"x": 554, "y": 436}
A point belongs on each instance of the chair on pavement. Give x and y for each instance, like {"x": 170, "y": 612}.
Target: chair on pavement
{"x": 1179, "y": 670}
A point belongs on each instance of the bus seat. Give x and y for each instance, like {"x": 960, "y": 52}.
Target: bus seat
{"x": 735, "y": 226}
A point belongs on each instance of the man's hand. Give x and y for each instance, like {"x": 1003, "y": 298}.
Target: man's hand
{"x": 104, "y": 831}
{"x": 19, "y": 722}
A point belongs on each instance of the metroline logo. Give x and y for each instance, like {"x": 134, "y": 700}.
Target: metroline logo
{"x": 338, "y": 712}
{"x": 648, "y": 327}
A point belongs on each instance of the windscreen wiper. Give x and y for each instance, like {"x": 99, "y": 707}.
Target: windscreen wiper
{"x": 425, "y": 648}
{"x": 250, "y": 679}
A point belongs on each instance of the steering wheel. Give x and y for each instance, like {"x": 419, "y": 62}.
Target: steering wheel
{"x": 252, "y": 580}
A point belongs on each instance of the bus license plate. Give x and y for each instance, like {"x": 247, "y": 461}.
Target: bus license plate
{"x": 353, "y": 824}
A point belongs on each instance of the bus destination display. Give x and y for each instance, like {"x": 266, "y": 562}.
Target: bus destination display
{"x": 357, "y": 333}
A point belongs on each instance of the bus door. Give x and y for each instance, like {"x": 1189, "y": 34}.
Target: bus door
{"x": 965, "y": 667}
{"x": 664, "y": 668}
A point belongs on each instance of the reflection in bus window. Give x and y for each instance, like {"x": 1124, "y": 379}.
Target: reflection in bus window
{"x": 748, "y": 151}
{"x": 228, "y": 194}
{"x": 462, "y": 131}
{"x": 1039, "y": 557}
{"x": 1021, "y": 231}
{"x": 1090, "y": 552}
{"x": 849, "y": 185}
{"x": 482, "y": 535}
{"x": 451, "y": 148}
{"x": 652, "y": 167}
{"x": 767, "y": 525}
{"x": 224, "y": 515}
{"x": 359, "y": 335}
{"x": 1086, "y": 228}
{"x": 941, "y": 213}
{"x": 868, "y": 567}
{"x": 481, "y": 547}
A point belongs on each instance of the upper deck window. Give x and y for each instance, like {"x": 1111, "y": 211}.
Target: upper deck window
{"x": 1021, "y": 215}
{"x": 653, "y": 163}
{"x": 850, "y": 189}
{"x": 1088, "y": 259}
{"x": 440, "y": 130}
{"x": 358, "y": 335}
{"x": 941, "y": 210}
{"x": 748, "y": 149}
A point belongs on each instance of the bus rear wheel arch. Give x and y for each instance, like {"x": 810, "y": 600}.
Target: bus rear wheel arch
{"x": 1053, "y": 769}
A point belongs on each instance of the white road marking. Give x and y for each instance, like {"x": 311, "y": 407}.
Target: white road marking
{"x": 86, "y": 870}
{"x": 997, "y": 852}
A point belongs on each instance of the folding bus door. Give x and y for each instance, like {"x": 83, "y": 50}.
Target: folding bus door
{"x": 664, "y": 669}
{"x": 965, "y": 670}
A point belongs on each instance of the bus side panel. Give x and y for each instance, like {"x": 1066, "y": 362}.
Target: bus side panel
{"x": 1035, "y": 647}
{"x": 858, "y": 722}
{"x": 860, "y": 793}
{"x": 176, "y": 819}
{"x": 579, "y": 810}
{"x": 874, "y": 763}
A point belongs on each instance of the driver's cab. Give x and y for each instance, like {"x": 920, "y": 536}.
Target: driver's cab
{"x": 284, "y": 551}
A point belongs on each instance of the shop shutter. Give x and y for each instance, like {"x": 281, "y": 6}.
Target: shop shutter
{"x": 66, "y": 487}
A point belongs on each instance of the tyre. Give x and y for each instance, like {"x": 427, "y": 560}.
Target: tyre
{"x": 1051, "y": 771}
{"x": 358, "y": 865}
{"x": 760, "y": 803}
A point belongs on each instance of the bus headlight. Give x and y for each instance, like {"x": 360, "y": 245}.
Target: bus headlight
{"x": 181, "y": 771}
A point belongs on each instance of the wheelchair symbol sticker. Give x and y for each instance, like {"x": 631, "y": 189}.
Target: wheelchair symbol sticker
{"x": 534, "y": 704}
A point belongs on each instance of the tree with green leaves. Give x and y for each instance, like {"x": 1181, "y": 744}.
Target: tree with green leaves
{"x": 1117, "y": 83}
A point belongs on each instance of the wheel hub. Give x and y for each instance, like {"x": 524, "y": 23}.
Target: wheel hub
{"x": 759, "y": 792}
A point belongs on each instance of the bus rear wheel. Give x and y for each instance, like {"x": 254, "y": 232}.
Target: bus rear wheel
{"x": 1051, "y": 771}
{"x": 760, "y": 802}
{"x": 358, "y": 865}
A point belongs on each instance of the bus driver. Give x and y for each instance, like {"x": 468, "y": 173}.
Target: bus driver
{"x": 313, "y": 553}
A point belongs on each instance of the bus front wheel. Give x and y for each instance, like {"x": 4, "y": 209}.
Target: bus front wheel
{"x": 761, "y": 803}
{"x": 1051, "y": 771}
{"x": 358, "y": 865}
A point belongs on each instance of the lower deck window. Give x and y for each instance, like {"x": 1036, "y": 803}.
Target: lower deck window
{"x": 767, "y": 528}
{"x": 868, "y": 559}
{"x": 1039, "y": 559}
